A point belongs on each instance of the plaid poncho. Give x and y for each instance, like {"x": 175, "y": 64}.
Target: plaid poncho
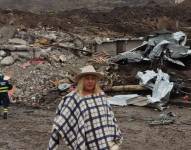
{"x": 85, "y": 123}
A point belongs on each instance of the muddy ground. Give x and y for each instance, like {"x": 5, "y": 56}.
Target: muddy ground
{"x": 28, "y": 129}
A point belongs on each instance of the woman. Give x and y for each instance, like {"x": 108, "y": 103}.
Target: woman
{"x": 84, "y": 119}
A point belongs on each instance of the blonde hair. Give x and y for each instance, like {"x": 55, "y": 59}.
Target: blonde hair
{"x": 80, "y": 87}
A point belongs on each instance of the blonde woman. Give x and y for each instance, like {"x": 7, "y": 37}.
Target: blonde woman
{"x": 84, "y": 119}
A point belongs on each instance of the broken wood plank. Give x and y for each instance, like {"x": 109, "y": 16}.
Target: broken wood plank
{"x": 127, "y": 88}
{"x": 73, "y": 48}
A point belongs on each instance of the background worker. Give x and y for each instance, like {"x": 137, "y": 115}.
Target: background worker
{"x": 5, "y": 86}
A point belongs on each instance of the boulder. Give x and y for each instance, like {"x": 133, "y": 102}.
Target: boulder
{"x": 24, "y": 55}
{"x": 17, "y": 41}
{"x": 2, "y": 53}
{"x": 6, "y": 32}
{"x": 7, "y": 61}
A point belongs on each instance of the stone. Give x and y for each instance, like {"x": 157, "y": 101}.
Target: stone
{"x": 66, "y": 37}
{"x": 2, "y": 53}
{"x": 6, "y": 32}
{"x": 43, "y": 53}
{"x": 17, "y": 41}
{"x": 18, "y": 92}
{"x": 42, "y": 41}
{"x": 51, "y": 36}
{"x": 67, "y": 44}
{"x": 7, "y": 61}
{"x": 23, "y": 55}
{"x": 62, "y": 58}
{"x": 78, "y": 43}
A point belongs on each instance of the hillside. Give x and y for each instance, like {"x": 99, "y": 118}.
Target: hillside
{"x": 60, "y": 5}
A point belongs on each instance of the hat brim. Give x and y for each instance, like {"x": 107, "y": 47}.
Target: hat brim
{"x": 79, "y": 76}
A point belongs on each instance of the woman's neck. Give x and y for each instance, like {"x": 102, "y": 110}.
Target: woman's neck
{"x": 86, "y": 93}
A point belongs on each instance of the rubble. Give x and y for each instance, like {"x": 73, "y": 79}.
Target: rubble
{"x": 49, "y": 66}
{"x": 163, "y": 119}
{"x": 159, "y": 84}
{"x": 35, "y": 59}
{"x": 62, "y": 58}
{"x": 99, "y": 58}
{"x": 159, "y": 48}
{"x": 46, "y": 56}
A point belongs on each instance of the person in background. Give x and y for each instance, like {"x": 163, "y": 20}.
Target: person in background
{"x": 84, "y": 119}
{"x": 5, "y": 86}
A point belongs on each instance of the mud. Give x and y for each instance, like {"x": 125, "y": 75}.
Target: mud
{"x": 29, "y": 129}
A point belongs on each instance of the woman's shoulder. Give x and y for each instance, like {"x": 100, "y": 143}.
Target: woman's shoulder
{"x": 101, "y": 93}
{"x": 71, "y": 95}
{"x": 67, "y": 99}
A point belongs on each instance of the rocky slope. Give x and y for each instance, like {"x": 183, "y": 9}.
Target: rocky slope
{"x": 55, "y": 5}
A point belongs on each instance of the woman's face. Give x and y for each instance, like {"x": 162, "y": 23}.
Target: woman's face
{"x": 89, "y": 82}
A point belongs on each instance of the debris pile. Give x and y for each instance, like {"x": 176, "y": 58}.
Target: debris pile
{"x": 38, "y": 61}
{"x": 163, "y": 119}
{"x": 159, "y": 48}
{"x": 42, "y": 62}
{"x": 159, "y": 84}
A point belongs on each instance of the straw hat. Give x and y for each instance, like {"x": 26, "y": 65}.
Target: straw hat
{"x": 88, "y": 70}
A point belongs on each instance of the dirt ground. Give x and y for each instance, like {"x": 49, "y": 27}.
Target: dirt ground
{"x": 28, "y": 129}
